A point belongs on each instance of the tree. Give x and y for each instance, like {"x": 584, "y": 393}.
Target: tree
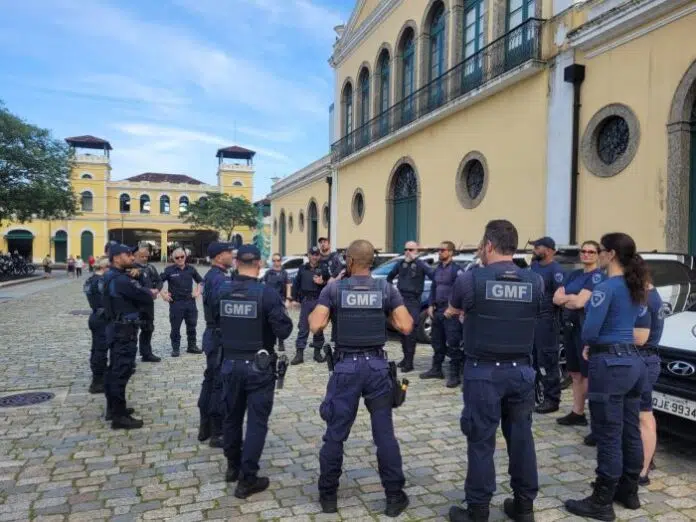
{"x": 34, "y": 172}
{"x": 221, "y": 212}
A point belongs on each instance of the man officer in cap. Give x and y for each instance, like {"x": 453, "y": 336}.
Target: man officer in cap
{"x": 547, "y": 327}
{"x": 147, "y": 276}
{"x": 502, "y": 303}
{"x": 124, "y": 301}
{"x": 210, "y": 399}
{"x": 250, "y": 316}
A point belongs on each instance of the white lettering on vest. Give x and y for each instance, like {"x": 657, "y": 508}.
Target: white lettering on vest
{"x": 361, "y": 299}
{"x": 238, "y": 309}
{"x": 509, "y": 291}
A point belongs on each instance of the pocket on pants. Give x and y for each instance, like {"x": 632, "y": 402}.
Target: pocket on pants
{"x": 326, "y": 409}
{"x": 465, "y": 422}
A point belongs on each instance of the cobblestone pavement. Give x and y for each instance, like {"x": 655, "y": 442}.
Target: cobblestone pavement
{"x": 60, "y": 461}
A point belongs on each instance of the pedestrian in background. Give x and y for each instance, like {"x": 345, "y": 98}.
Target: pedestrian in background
{"x": 79, "y": 265}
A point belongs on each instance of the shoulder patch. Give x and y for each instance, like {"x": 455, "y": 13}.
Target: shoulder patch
{"x": 598, "y": 297}
{"x": 558, "y": 277}
{"x": 664, "y": 311}
{"x": 643, "y": 311}
{"x": 596, "y": 278}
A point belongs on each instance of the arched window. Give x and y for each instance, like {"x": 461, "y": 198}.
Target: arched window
{"x": 144, "y": 204}
{"x": 164, "y": 204}
{"x": 347, "y": 109}
{"x": 473, "y": 40}
{"x": 86, "y": 201}
{"x": 124, "y": 203}
{"x": 86, "y": 176}
{"x": 384, "y": 79}
{"x": 437, "y": 54}
{"x": 202, "y": 199}
{"x": 364, "y": 96}
{"x": 237, "y": 184}
{"x": 183, "y": 204}
{"x": 408, "y": 65}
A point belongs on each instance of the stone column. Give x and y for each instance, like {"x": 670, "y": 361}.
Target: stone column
{"x": 163, "y": 245}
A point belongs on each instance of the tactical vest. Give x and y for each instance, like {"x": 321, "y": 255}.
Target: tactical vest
{"x": 207, "y": 292}
{"x": 93, "y": 288}
{"x": 145, "y": 279}
{"x": 109, "y": 310}
{"x": 241, "y": 317}
{"x": 275, "y": 280}
{"x": 411, "y": 278}
{"x": 360, "y": 320}
{"x": 444, "y": 281}
{"x": 501, "y": 324}
{"x": 307, "y": 285}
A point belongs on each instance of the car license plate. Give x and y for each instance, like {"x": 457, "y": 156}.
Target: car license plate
{"x": 674, "y": 405}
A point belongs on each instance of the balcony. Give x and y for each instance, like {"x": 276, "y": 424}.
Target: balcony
{"x": 514, "y": 49}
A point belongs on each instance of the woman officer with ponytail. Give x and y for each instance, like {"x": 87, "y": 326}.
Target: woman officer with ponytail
{"x": 616, "y": 378}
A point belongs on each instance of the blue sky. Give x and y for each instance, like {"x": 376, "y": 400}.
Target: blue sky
{"x": 168, "y": 82}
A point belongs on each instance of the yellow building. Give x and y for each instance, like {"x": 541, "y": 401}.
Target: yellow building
{"x": 571, "y": 118}
{"x": 143, "y": 208}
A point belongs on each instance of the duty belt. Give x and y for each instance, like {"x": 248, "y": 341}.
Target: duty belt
{"x": 648, "y": 350}
{"x": 376, "y": 352}
{"x": 233, "y": 355}
{"x": 617, "y": 349}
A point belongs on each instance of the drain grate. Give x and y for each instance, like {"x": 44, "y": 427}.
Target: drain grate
{"x": 80, "y": 312}
{"x": 25, "y": 399}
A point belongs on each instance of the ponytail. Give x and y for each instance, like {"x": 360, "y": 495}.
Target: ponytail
{"x": 637, "y": 279}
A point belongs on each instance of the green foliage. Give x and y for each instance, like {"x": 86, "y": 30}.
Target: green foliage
{"x": 34, "y": 172}
{"x": 221, "y": 212}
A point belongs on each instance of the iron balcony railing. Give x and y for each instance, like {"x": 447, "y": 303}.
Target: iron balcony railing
{"x": 520, "y": 45}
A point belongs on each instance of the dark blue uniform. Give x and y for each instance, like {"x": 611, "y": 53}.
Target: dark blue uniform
{"x": 210, "y": 400}
{"x": 94, "y": 290}
{"x": 124, "y": 301}
{"x": 334, "y": 265}
{"x": 615, "y": 382}
{"x": 183, "y": 306}
{"x": 576, "y": 282}
{"x": 306, "y": 291}
{"x": 502, "y": 303}
{"x": 651, "y": 316}
{"x": 411, "y": 282}
{"x": 547, "y": 331}
{"x": 149, "y": 279}
{"x": 278, "y": 280}
{"x": 446, "y": 336}
{"x": 250, "y": 317}
{"x": 361, "y": 370}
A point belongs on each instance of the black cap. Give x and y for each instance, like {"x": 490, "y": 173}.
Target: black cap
{"x": 313, "y": 251}
{"x": 218, "y": 247}
{"x": 119, "y": 248}
{"x": 248, "y": 253}
{"x": 322, "y": 239}
{"x": 545, "y": 241}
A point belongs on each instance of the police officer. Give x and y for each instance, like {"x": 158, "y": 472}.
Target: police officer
{"x": 311, "y": 278}
{"x": 617, "y": 377}
{"x": 359, "y": 303}
{"x": 210, "y": 399}
{"x": 446, "y": 335}
{"x": 547, "y": 328}
{"x": 277, "y": 278}
{"x": 250, "y": 316}
{"x": 334, "y": 264}
{"x": 124, "y": 301}
{"x": 147, "y": 276}
{"x": 502, "y": 303}
{"x": 94, "y": 289}
{"x": 180, "y": 277}
{"x": 411, "y": 273}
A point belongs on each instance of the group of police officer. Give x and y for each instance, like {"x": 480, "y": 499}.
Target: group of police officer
{"x": 497, "y": 308}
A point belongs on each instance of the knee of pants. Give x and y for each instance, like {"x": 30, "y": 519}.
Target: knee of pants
{"x": 606, "y": 410}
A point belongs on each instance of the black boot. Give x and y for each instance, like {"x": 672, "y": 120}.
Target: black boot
{"x": 572, "y": 419}
{"x": 299, "y": 357}
{"x": 317, "y": 356}
{"x": 396, "y": 504}
{"x": 627, "y": 491}
{"x": 109, "y": 416}
{"x": 329, "y": 502}
{"x": 194, "y": 349}
{"x": 599, "y": 505}
{"x": 175, "y": 352}
{"x": 547, "y": 407}
{"x": 232, "y": 473}
{"x": 151, "y": 357}
{"x": 590, "y": 440}
{"x": 519, "y": 510}
{"x": 401, "y": 363}
{"x": 433, "y": 373}
{"x": 472, "y": 513}
{"x": 215, "y": 433}
{"x": 97, "y": 384}
{"x": 251, "y": 485}
{"x": 204, "y": 429}
{"x": 453, "y": 375}
{"x": 126, "y": 422}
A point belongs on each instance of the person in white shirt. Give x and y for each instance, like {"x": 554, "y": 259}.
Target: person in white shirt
{"x": 79, "y": 265}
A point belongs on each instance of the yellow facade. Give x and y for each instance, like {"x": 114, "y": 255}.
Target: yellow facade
{"x": 102, "y": 217}
{"x": 484, "y": 127}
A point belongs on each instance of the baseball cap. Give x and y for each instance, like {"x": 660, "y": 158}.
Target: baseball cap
{"x": 218, "y": 247}
{"x": 545, "y": 241}
{"x": 117, "y": 249}
{"x": 313, "y": 251}
{"x": 248, "y": 253}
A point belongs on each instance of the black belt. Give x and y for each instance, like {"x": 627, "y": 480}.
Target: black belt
{"x": 375, "y": 352}
{"x": 617, "y": 349}
{"x": 648, "y": 350}
{"x": 504, "y": 358}
{"x": 180, "y": 299}
{"x": 238, "y": 356}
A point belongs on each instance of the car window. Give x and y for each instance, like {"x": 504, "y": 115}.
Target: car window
{"x": 521, "y": 262}
{"x": 385, "y": 268}
{"x": 665, "y": 273}
{"x": 293, "y": 263}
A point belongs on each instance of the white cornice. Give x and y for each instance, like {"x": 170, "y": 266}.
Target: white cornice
{"x": 624, "y": 18}
{"x": 145, "y": 186}
{"x": 351, "y": 39}
{"x": 314, "y": 171}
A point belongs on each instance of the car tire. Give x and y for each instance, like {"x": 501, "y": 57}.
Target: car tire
{"x": 425, "y": 324}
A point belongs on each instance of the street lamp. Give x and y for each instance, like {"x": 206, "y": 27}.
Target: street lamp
{"x": 122, "y": 216}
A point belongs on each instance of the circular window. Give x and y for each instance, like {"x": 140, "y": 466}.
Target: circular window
{"x": 325, "y": 215}
{"x": 358, "y": 206}
{"x": 472, "y": 180}
{"x": 291, "y": 223}
{"x": 611, "y": 140}
{"x": 275, "y": 226}
{"x": 301, "y": 221}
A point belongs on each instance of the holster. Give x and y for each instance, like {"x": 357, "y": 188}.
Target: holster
{"x": 398, "y": 388}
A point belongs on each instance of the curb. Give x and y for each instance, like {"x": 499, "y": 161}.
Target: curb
{"x": 21, "y": 281}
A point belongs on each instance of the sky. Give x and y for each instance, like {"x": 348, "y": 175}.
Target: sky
{"x": 168, "y": 82}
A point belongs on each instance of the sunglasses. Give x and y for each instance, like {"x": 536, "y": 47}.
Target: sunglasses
{"x": 444, "y": 250}
{"x": 410, "y": 249}
{"x": 180, "y": 257}
{"x": 588, "y": 252}
{"x": 276, "y": 260}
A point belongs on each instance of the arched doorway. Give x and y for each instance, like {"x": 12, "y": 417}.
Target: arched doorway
{"x": 281, "y": 234}
{"x": 692, "y": 184}
{"x": 86, "y": 244}
{"x": 313, "y": 225}
{"x": 404, "y": 207}
{"x": 60, "y": 241}
{"x": 21, "y": 241}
